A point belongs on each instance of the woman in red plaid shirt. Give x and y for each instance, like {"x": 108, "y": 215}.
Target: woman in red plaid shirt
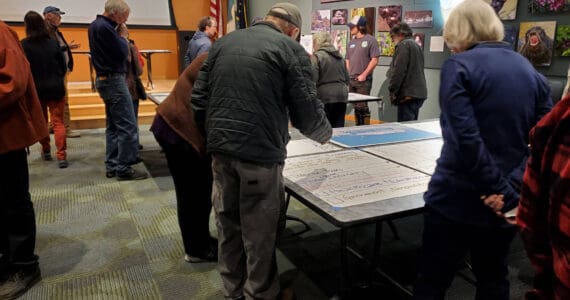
{"x": 544, "y": 207}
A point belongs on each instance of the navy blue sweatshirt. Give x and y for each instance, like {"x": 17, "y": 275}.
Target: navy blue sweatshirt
{"x": 109, "y": 51}
{"x": 490, "y": 98}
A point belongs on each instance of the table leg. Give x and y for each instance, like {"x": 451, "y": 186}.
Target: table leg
{"x": 344, "y": 276}
{"x": 149, "y": 70}
{"x": 375, "y": 251}
{"x": 292, "y": 218}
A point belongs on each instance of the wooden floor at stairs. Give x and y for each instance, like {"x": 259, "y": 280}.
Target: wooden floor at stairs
{"x": 87, "y": 109}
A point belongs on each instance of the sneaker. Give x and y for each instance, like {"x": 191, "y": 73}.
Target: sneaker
{"x": 47, "y": 156}
{"x": 211, "y": 255}
{"x": 63, "y": 163}
{"x": 18, "y": 283}
{"x": 72, "y": 134}
{"x": 132, "y": 174}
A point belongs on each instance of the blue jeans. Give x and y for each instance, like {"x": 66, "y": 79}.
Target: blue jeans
{"x": 409, "y": 110}
{"x": 122, "y": 131}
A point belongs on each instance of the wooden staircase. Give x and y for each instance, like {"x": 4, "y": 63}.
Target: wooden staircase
{"x": 87, "y": 109}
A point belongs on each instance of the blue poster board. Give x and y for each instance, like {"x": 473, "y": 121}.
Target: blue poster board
{"x": 359, "y": 136}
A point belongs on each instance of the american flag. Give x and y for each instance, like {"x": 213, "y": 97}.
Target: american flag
{"x": 216, "y": 13}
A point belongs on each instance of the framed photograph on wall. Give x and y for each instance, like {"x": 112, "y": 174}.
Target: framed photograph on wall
{"x": 550, "y": 6}
{"x": 321, "y": 20}
{"x": 385, "y": 43}
{"x": 419, "y": 18}
{"x": 388, "y": 16}
{"x": 536, "y": 41}
{"x": 419, "y": 38}
{"x": 339, "y": 16}
{"x": 506, "y": 10}
{"x": 340, "y": 40}
{"x": 562, "y": 47}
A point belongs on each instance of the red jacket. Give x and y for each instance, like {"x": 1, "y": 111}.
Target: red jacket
{"x": 21, "y": 119}
{"x": 544, "y": 207}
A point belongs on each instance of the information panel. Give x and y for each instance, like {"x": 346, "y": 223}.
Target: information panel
{"x": 353, "y": 177}
{"x": 358, "y": 136}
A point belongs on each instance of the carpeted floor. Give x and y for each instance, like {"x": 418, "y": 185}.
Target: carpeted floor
{"x": 103, "y": 239}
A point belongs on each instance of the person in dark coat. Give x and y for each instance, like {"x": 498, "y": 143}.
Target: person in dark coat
{"x": 407, "y": 84}
{"x": 49, "y": 69}
{"x": 184, "y": 147}
{"x": 252, "y": 83}
{"x": 490, "y": 98}
{"x": 331, "y": 77}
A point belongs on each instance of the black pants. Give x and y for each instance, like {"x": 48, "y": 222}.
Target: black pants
{"x": 192, "y": 175}
{"x": 445, "y": 244}
{"x": 361, "y": 110}
{"x": 409, "y": 110}
{"x": 335, "y": 113}
{"x": 17, "y": 217}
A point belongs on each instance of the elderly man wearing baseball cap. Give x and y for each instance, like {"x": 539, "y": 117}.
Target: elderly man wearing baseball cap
{"x": 52, "y": 15}
{"x": 245, "y": 105}
{"x": 361, "y": 59}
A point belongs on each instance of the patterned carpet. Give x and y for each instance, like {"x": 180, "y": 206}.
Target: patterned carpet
{"x": 103, "y": 239}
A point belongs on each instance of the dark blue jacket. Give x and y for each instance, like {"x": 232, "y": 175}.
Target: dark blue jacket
{"x": 109, "y": 51}
{"x": 200, "y": 43}
{"x": 490, "y": 98}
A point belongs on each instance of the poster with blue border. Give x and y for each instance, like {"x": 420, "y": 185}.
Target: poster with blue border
{"x": 359, "y": 136}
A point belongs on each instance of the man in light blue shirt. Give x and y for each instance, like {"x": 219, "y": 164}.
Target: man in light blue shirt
{"x": 201, "y": 41}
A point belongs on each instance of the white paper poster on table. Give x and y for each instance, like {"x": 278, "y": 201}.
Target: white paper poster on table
{"x": 359, "y": 136}
{"x": 418, "y": 155}
{"x": 431, "y": 126}
{"x": 353, "y": 177}
{"x": 307, "y": 146}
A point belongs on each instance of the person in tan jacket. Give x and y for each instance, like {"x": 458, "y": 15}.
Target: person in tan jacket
{"x": 21, "y": 125}
{"x": 175, "y": 130}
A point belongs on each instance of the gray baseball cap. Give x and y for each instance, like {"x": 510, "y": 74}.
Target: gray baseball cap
{"x": 53, "y": 9}
{"x": 288, "y": 12}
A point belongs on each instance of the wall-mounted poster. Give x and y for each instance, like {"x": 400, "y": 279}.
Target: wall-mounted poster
{"x": 307, "y": 43}
{"x": 506, "y": 10}
{"x": 340, "y": 40}
{"x": 420, "y": 38}
{"x": 562, "y": 40}
{"x": 511, "y": 33}
{"x": 536, "y": 41}
{"x": 548, "y": 6}
{"x": 419, "y": 18}
{"x": 339, "y": 16}
{"x": 368, "y": 13}
{"x": 385, "y": 43}
{"x": 321, "y": 20}
{"x": 388, "y": 16}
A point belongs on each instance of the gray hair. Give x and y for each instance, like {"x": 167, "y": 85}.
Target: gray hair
{"x": 472, "y": 22}
{"x": 118, "y": 7}
{"x": 321, "y": 39}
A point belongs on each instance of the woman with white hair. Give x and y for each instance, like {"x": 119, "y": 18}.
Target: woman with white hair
{"x": 331, "y": 77}
{"x": 490, "y": 98}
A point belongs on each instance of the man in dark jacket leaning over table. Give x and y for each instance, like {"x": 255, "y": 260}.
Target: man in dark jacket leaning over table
{"x": 245, "y": 104}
